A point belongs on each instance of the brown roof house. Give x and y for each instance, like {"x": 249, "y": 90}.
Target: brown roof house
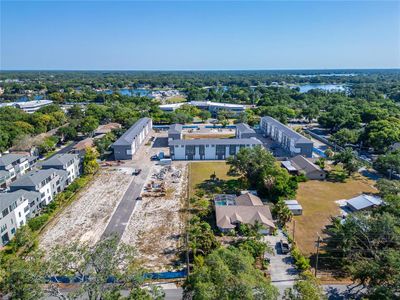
{"x": 247, "y": 209}
{"x": 302, "y": 165}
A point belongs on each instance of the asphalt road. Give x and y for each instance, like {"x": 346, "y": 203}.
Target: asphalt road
{"x": 120, "y": 218}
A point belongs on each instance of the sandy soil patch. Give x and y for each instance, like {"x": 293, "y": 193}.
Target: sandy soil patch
{"x": 157, "y": 224}
{"x": 88, "y": 216}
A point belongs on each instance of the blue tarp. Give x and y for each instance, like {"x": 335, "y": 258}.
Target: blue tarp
{"x": 319, "y": 152}
{"x": 111, "y": 279}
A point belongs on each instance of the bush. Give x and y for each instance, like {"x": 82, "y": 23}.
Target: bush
{"x": 301, "y": 178}
{"x": 37, "y": 222}
{"x": 301, "y": 262}
{"x": 77, "y": 184}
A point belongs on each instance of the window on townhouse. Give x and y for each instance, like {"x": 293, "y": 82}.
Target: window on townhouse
{"x": 13, "y": 230}
{"x": 5, "y": 212}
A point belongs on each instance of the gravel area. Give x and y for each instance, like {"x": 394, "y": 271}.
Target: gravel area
{"x": 87, "y": 217}
{"x": 157, "y": 224}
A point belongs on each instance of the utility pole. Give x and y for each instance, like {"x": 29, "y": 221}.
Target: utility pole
{"x": 317, "y": 256}
{"x": 294, "y": 229}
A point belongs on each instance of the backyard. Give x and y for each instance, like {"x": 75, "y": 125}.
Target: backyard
{"x": 201, "y": 171}
{"x": 318, "y": 201}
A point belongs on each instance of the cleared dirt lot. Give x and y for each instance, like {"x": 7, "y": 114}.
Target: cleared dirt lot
{"x": 87, "y": 217}
{"x": 157, "y": 225}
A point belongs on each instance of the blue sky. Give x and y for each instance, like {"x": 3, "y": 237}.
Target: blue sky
{"x": 167, "y": 35}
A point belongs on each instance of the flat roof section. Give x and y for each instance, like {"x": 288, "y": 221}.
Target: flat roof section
{"x": 196, "y": 142}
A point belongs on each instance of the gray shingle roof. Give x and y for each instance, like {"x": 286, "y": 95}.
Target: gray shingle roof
{"x": 6, "y": 199}
{"x": 8, "y": 159}
{"x": 289, "y": 132}
{"x": 33, "y": 178}
{"x": 175, "y": 129}
{"x": 302, "y": 163}
{"x": 127, "y": 138}
{"x": 60, "y": 159}
{"x": 195, "y": 142}
{"x": 244, "y": 128}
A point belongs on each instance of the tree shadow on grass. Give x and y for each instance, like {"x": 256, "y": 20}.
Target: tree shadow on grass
{"x": 219, "y": 186}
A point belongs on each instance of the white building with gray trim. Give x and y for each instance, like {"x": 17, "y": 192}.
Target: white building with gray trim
{"x": 66, "y": 161}
{"x": 48, "y": 182}
{"x": 209, "y": 149}
{"x": 290, "y": 140}
{"x": 244, "y": 131}
{"x": 13, "y": 166}
{"x": 127, "y": 145}
{"x": 175, "y": 132}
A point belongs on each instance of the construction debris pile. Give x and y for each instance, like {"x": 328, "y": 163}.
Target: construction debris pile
{"x": 155, "y": 228}
{"x": 157, "y": 186}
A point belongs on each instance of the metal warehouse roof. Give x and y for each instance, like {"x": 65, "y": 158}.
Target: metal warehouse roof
{"x": 196, "y": 142}
{"x": 364, "y": 201}
{"x": 127, "y": 138}
{"x": 288, "y": 165}
{"x": 287, "y": 130}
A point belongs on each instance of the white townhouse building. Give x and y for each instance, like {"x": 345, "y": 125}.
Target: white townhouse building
{"x": 127, "y": 145}
{"x": 209, "y": 149}
{"x": 13, "y": 214}
{"x": 290, "y": 140}
{"x": 48, "y": 182}
{"x": 13, "y": 166}
{"x": 15, "y": 210}
{"x": 67, "y": 162}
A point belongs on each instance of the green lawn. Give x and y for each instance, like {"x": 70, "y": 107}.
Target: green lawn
{"x": 318, "y": 201}
{"x": 201, "y": 171}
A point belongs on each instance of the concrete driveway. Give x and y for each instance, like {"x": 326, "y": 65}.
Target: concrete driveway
{"x": 283, "y": 272}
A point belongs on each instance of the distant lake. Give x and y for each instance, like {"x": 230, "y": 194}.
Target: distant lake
{"x": 25, "y": 98}
{"x": 129, "y": 92}
{"x": 326, "y": 87}
{"x": 326, "y": 75}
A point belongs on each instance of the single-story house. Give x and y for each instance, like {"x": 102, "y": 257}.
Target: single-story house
{"x": 231, "y": 211}
{"x": 302, "y": 165}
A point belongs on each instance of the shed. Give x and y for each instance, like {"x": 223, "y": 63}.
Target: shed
{"x": 294, "y": 207}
